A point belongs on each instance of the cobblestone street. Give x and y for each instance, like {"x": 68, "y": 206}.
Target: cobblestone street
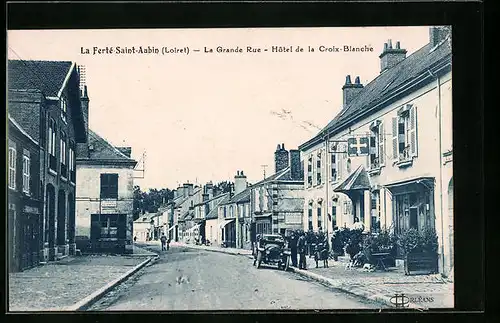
{"x": 187, "y": 279}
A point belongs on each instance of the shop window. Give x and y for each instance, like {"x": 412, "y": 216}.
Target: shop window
{"x": 109, "y": 185}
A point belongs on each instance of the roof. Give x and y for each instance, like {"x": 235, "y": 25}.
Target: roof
{"x": 21, "y": 130}
{"x": 102, "y": 151}
{"x": 358, "y": 180}
{"x": 214, "y": 212}
{"x": 147, "y": 216}
{"x": 241, "y": 197}
{"x": 46, "y": 76}
{"x": 282, "y": 175}
{"x": 385, "y": 84}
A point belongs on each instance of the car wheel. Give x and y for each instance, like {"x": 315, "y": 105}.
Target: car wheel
{"x": 259, "y": 259}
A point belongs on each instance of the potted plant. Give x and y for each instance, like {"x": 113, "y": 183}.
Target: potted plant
{"x": 354, "y": 242}
{"x": 383, "y": 242}
{"x": 419, "y": 250}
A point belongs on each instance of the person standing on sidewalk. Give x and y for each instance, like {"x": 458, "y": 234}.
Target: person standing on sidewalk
{"x": 293, "y": 248}
{"x": 301, "y": 248}
{"x": 163, "y": 240}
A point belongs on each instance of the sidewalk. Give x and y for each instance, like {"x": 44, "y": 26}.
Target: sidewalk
{"x": 71, "y": 282}
{"x": 421, "y": 291}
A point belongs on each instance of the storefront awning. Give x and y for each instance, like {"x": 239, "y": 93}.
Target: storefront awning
{"x": 225, "y": 222}
{"x": 411, "y": 185}
{"x": 358, "y": 180}
{"x": 263, "y": 215}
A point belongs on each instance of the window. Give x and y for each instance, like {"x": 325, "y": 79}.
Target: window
{"x": 375, "y": 211}
{"x": 26, "y": 174}
{"x": 52, "y": 145}
{"x": 404, "y": 134}
{"x": 109, "y": 185}
{"x": 64, "y": 108}
{"x": 310, "y": 171}
{"x": 109, "y": 225}
{"x": 377, "y": 151}
{"x": 318, "y": 169}
{"x": 72, "y": 162}
{"x": 310, "y": 216}
{"x": 12, "y": 168}
{"x": 334, "y": 216}
{"x": 62, "y": 155}
{"x": 319, "y": 215}
{"x": 334, "y": 167}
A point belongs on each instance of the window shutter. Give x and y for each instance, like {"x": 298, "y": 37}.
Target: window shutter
{"x": 104, "y": 185}
{"x": 381, "y": 144}
{"x": 413, "y": 132}
{"x": 394, "y": 138}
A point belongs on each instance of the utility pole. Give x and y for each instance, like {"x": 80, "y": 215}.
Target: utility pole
{"x": 264, "y": 169}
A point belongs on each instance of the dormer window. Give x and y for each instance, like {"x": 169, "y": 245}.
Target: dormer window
{"x": 64, "y": 108}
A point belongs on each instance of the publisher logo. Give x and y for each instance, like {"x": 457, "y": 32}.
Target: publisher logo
{"x": 400, "y": 300}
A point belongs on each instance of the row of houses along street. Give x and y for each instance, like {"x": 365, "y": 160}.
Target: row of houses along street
{"x": 69, "y": 190}
{"x": 384, "y": 160}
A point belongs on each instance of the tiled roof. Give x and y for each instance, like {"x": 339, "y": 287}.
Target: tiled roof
{"x": 383, "y": 85}
{"x": 46, "y": 76}
{"x": 102, "y": 150}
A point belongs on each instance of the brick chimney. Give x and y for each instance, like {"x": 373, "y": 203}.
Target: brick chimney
{"x": 350, "y": 90}
{"x": 83, "y": 148}
{"x": 127, "y": 151}
{"x": 280, "y": 158}
{"x": 240, "y": 182}
{"x": 175, "y": 193}
{"x": 391, "y": 56}
{"x": 190, "y": 189}
{"x": 209, "y": 190}
{"x": 437, "y": 34}
{"x": 295, "y": 165}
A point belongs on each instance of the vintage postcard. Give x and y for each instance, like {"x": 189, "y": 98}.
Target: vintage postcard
{"x": 230, "y": 169}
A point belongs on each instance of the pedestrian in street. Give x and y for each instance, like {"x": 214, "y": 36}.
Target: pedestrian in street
{"x": 293, "y": 248}
{"x": 168, "y": 243}
{"x": 301, "y": 248}
{"x": 163, "y": 240}
{"x": 135, "y": 239}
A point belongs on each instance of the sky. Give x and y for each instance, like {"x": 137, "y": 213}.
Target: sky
{"x": 200, "y": 116}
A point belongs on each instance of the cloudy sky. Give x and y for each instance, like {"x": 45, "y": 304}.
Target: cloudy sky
{"x": 203, "y": 116}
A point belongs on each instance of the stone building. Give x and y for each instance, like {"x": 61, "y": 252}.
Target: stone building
{"x": 385, "y": 159}
{"x": 105, "y": 191}
{"x": 25, "y": 204}
{"x": 44, "y": 99}
{"x": 277, "y": 201}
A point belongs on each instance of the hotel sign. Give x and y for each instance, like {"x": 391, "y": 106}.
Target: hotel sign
{"x": 108, "y": 206}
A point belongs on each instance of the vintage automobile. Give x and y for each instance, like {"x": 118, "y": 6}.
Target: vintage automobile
{"x": 271, "y": 250}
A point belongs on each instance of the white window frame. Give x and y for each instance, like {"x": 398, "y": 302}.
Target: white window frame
{"x": 408, "y": 117}
{"x": 12, "y": 167}
{"x": 63, "y": 149}
{"x": 52, "y": 137}
{"x": 26, "y": 174}
{"x": 64, "y": 108}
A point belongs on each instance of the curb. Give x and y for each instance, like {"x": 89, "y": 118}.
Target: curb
{"x": 95, "y": 296}
{"x": 386, "y": 300}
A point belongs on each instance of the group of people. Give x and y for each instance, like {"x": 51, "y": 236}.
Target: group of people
{"x": 302, "y": 244}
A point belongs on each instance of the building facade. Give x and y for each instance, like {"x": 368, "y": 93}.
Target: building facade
{"x": 385, "y": 159}
{"x": 104, "y": 201}
{"x": 45, "y": 100}
{"x": 25, "y": 204}
{"x": 143, "y": 228}
{"x": 277, "y": 201}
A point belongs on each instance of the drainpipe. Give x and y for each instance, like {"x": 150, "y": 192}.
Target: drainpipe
{"x": 438, "y": 81}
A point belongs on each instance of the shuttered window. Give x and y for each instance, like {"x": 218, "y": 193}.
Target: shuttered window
{"x": 318, "y": 169}
{"x": 310, "y": 171}
{"x": 404, "y": 134}
{"x": 334, "y": 166}
{"x": 319, "y": 215}
{"x": 109, "y": 185}
{"x": 26, "y": 174}
{"x": 12, "y": 168}
{"x": 310, "y": 216}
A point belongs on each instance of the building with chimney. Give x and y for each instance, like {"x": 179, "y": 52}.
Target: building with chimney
{"x": 234, "y": 215}
{"x": 386, "y": 159}
{"x": 183, "y": 210}
{"x": 277, "y": 201}
{"x": 45, "y": 101}
{"x": 104, "y": 196}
